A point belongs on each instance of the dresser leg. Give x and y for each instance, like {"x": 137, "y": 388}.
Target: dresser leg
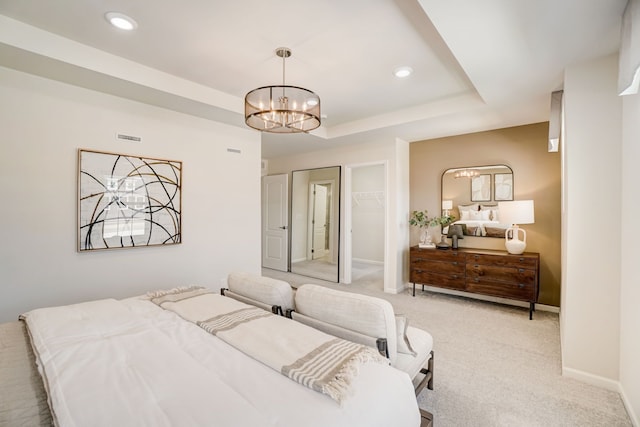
{"x": 414, "y": 289}
{"x": 532, "y": 308}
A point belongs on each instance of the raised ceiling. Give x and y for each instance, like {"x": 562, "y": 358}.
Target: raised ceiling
{"x": 477, "y": 65}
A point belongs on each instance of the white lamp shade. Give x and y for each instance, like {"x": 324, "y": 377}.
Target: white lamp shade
{"x": 516, "y": 212}
{"x": 447, "y": 204}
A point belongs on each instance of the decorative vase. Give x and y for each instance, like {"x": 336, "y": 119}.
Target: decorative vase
{"x": 443, "y": 243}
{"x": 425, "y": 239}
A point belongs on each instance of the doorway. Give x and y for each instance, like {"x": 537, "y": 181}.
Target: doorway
{"x": 365, "y": 217}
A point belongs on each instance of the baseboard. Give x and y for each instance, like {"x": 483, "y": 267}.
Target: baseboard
{"x": 367, "y": 261}
{"x": 592, "y": 379}
{"x": 506, "y": 301}
{"x": 606, "y": 383}
{"x": 635, "y": 420}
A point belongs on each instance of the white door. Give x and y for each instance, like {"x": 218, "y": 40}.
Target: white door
{"x": 275, "y": 221}
{"x": 320, "y": 225}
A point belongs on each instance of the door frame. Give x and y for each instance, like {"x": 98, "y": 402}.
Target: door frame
{"x": 331, "y": 229}
{"x": 348, "y": 220}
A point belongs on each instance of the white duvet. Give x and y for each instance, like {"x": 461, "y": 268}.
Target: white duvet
{"x": 126, "y": 363}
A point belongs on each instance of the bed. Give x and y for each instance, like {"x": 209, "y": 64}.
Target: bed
{"x": 480, "y": 220}
{"x": 486, "y": 228}
{"x": 133, "y": 362}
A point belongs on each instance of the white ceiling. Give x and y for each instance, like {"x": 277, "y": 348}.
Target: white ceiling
{"x": 478, "y": 65}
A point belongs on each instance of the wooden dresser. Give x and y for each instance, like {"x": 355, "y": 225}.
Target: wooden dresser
{"x": 480, "y": 271}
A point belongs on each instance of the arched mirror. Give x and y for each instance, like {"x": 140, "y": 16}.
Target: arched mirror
{"x": 471, "y": 194}
{"x": 315, "y": 213}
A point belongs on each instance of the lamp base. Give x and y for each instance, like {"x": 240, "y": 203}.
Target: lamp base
{"x": 514, "y": 245}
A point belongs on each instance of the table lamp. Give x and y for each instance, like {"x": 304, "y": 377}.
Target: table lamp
{"x": 447, "y": 205}
{"x": 514, "y": 213}
{"x": 455, "y": 232}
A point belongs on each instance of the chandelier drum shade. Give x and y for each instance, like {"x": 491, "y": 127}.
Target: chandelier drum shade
{"x": 282, "y": 109}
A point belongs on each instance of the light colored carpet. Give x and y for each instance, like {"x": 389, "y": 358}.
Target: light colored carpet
{"x": 318, "y": 268}
{"x": 493, "y": 366}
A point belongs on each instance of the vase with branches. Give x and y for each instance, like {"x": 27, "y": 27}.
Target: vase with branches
{"x": 422, "y": 220}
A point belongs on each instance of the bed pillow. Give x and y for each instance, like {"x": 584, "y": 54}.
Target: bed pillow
{"x": 404, "y": 346}
{"x": 493, "y": 211}
{"x": 471, "y": 207}
{"x": 475, "y": 215}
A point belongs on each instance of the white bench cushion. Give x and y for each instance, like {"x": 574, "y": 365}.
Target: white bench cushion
{"x": 361, "y": 313}
{"x": 422, "y": 344}
{"x": 263, "y": 289}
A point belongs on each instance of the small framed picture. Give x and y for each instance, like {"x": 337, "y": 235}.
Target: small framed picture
{"x": 481, "y": 188}
{"x": 503, "y": 186}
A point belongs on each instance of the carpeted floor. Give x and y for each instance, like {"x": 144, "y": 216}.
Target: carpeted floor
{"x": 493, "y": 366}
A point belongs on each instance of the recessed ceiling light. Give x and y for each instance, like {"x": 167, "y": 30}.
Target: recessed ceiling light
{"x": 120, "y": 20}
{"x": 402, "y": 72}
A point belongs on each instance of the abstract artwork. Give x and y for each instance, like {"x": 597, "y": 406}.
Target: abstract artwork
{"x": 127, "y": 201}
{"x": 481, "y": 188}
{"x": 503, "y": 186}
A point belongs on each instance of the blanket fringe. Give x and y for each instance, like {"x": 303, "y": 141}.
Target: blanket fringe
{"x": 339, "y": 386}
{"x": 178, "y": 290}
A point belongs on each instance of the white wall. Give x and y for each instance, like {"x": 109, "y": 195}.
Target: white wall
{"x": 590, "y": 300}
{"x": 367, "y": 228}
{"x": 43, "y": 124}
{"x": 396, "y": 153}
{"x": 629, "y": 284}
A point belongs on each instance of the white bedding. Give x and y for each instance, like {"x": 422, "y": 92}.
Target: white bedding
{"x": 481, "y": 225}
{"x": 129, "y": 362}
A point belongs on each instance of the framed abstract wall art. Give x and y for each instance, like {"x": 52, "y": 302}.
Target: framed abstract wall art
{"x": 127, "y": 201}
{"x": 481, "y": 188}
{"x": 503, "y": 186}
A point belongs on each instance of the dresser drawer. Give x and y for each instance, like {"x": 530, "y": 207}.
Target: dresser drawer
{"x": 451, "y": 281}
{"x": 516, "y": 261}
{"x": 525, "y": 276}
{"x": 519, "y": 291}
{"x": 444, "y": 267}
{"x": 417, "y": 255}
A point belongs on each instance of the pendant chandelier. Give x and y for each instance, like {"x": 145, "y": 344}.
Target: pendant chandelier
{"x": 282, "y": 109}
{"x": 466, "y": 173}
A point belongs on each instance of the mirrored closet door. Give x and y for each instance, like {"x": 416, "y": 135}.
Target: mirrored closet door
{"x": 315, "y": 223}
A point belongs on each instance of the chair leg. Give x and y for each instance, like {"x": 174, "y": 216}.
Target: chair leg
{"x": 428, "y": 376}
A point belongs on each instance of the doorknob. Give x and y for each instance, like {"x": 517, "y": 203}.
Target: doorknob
{"x": 284, "y": 227}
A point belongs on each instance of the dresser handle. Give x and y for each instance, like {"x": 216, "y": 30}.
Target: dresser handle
{"x": 455, "y": 263}
{"x": 475, "y": 279}
{"x": 455, "y": 276}
{"x": 521, "y": 270}
{"x": 521, "y": 259}
{"x": 520, "y": 285}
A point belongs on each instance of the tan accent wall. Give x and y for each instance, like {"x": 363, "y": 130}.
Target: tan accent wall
{"x": 536, "y": 176}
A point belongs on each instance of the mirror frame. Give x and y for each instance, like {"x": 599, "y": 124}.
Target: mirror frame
{"x": 298, "y": 231}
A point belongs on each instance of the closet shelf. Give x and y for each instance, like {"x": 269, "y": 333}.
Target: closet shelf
{"x": 357, "y": 196}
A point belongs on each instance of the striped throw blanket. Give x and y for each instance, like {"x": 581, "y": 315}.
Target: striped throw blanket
{"x": 310, "y": 357}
